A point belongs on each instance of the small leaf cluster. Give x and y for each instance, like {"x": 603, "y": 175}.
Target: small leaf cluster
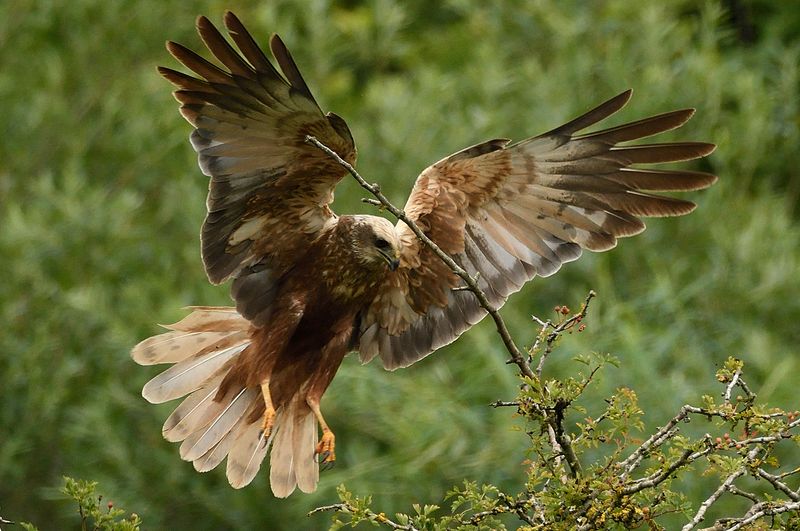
{"x": 94, "y": 514}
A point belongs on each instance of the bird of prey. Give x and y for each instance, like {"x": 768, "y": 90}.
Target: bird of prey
{"x": 310, "y": 286}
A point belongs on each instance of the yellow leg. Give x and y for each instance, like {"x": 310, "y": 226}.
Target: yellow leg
{"x": 269, "y": 410}
{"x": 327, "y": 444}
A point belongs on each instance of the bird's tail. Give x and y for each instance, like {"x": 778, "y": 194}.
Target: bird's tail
{"x": 293, "y": 460}
{"x": 203, "y": 347}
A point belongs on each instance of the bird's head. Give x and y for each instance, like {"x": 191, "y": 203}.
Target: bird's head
{"x": 375, "y": 242}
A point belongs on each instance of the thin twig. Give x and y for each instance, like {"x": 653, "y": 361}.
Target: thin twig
{"x": 655, "y": 440}
{"x": 760, "y": 510}
{"x": 501, "y": 403}
{"x": 784, "y": 434}
{"x": 338, "y": 507}
{"x": 750, "y": 394}
{"x": 778, "y": 484}
{"x": 376, "y": 517}
{"x": 659, "y": 476}
{"x": 557, "y": 449}
{"x": 507, "y": 505}
{"x": 373, "y": 202}
{"x": 557, "y": 331}
{"x": 544, "y": 325}
{"x": 539, "y": 337}
{"x": 733, "y": 489}
{"x": 701, "y": 512}
{"x": 729, "y": 388}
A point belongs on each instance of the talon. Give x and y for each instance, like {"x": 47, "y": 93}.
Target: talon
{"x": 263, "y": 442}
{"x": 325, "y": 449}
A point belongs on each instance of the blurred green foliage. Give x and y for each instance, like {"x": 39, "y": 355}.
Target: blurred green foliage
{"x": 95, "y": 514}
{"x": 101, "y": 203}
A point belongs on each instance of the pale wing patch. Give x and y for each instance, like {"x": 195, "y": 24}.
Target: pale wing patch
{"x": 247, "y": 231}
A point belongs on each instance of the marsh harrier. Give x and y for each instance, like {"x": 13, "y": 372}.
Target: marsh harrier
{"x": 311, "y": 286}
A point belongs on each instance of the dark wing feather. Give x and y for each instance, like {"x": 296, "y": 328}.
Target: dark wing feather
{"x": 270, "y": 190}
{"x": 509, "y": 213}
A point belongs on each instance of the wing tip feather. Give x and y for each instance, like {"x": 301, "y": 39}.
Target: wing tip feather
{"x": 202, "y": 22}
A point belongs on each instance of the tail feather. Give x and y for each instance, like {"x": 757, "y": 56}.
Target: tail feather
{"x": 195, "y": 411}
{"x": 203, "y": 440}
{"x": 188, "y": 375}
{"x": 246, "y": 455}
{"x": 281, "y": 460}
{"x": 203, "y": 347}
{"x": 306, "y": 467}
{"x": 211, "y": 318}
{"x": 176, "y": 346}
{"x": 292, "y": 462}
{"x": 215, "y": 455}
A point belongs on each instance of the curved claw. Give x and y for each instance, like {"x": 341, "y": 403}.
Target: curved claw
{"x": 325, "y": 449}
{"x": 327, "y": 466}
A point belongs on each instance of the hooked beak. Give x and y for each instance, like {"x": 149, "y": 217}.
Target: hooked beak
{"x": 392, "y": 260}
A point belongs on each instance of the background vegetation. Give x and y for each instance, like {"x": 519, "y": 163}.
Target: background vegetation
{"x": 101, "y": 203}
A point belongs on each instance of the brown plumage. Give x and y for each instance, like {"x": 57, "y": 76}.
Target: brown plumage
{"x": 310, "y": 286}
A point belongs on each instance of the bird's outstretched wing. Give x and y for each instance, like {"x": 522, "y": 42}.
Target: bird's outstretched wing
{"x": 509, "y": 213}
{"x": 270, "y": 190}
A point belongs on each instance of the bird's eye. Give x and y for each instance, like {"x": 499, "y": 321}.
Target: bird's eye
{"x": 380, "y": 243}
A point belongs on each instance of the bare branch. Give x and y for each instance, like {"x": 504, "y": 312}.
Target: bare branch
{"x": 701, "y": 512}
{"x": 501, "y": 403}
{"x": 656, "y": 478}
{"x": 733, "y": 489}
{"x": 734, "y": 380}
{"x": 785, "y": 434}
{"x": 743, "y": 385}
{"x": 757, "y": 511}
{"x": 333, "y": 507}
{"x": 789, "y": 472}
{"x": 467, "y": 288}
{"x": 373, "y": 202}
{"x": 778, "y": 484}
